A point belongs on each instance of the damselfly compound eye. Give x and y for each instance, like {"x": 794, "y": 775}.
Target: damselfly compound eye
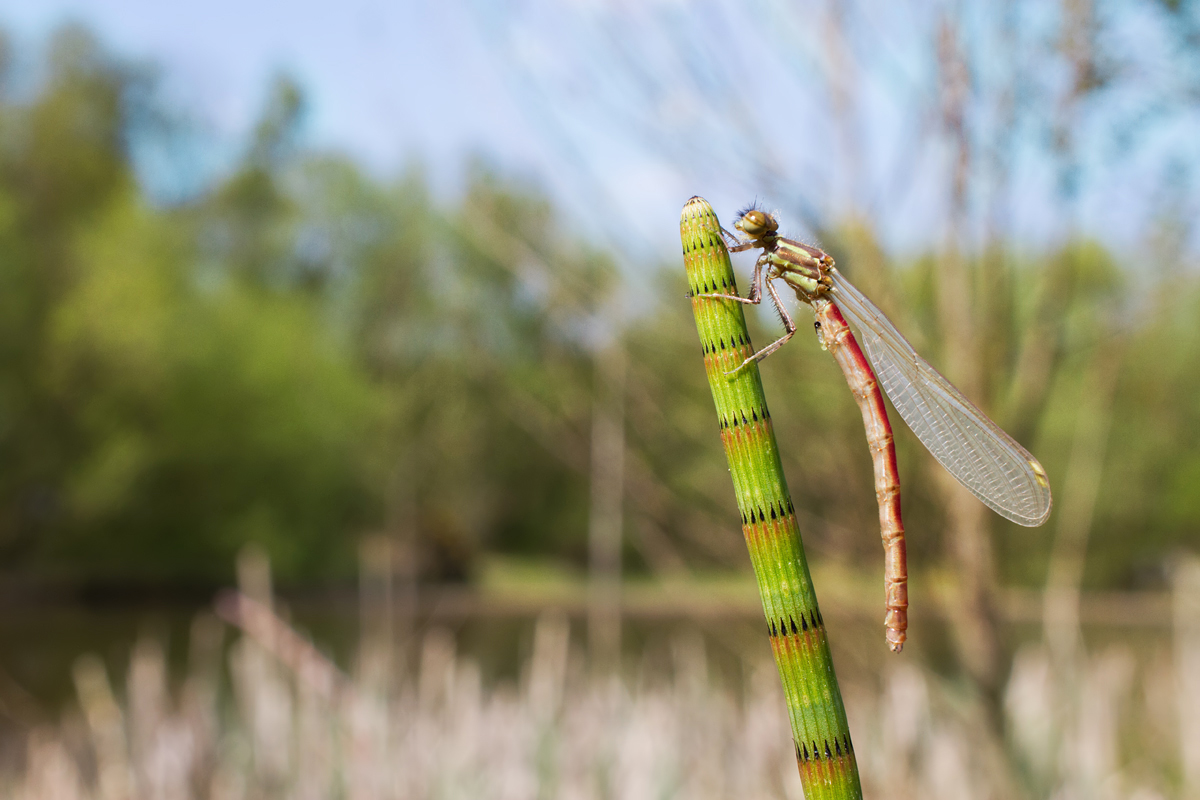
{"x": 756, "y": 224}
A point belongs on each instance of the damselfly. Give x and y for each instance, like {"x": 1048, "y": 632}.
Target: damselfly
{"x": 972, "y": 448}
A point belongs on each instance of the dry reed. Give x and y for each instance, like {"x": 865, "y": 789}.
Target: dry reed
{"x": 287, "y": 723}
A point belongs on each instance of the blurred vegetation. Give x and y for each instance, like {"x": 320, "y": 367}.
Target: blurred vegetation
{"x": 306, "y": 353}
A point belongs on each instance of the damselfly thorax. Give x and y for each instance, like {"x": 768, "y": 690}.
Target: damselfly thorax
{"x": 801, "y": 266}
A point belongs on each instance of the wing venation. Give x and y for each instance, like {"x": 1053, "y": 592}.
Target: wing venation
{"x": 972, "y": 448}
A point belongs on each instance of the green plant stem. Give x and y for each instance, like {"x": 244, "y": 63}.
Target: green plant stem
{"x": 828, "y": 769}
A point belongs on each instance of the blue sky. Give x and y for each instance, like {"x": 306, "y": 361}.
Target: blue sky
{"x": 555, "y": 91}
{"x": 388, "y": 83}
{"x": 380, "y": 75}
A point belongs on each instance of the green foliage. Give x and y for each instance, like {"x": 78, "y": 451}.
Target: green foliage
{"x": 1149, "y": 504}
{"x": 210, "y": 418}
{"x": 306, "y": 354}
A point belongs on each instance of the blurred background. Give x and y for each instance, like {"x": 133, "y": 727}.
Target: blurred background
{"x": 355, "y": 441}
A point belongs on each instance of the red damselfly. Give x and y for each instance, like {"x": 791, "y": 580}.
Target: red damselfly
{"x": 972, "y": 448}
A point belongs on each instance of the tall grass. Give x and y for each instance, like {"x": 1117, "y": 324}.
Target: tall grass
{"x": 265, "y": 715}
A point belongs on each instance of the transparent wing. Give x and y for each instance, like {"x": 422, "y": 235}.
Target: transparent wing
{"x": 970, "y": 446}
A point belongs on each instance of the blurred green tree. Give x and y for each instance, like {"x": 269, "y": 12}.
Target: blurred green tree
{"x": 62, "y": 159}
{"x": 305, "y": 353}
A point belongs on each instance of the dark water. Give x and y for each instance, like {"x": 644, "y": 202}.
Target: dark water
{"x": 39, "y": 645}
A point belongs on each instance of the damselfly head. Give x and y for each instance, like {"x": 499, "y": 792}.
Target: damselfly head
{"x": 756, "y": 224}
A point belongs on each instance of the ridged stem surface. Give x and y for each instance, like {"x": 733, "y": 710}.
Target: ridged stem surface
{"x": 824, "y": 752}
